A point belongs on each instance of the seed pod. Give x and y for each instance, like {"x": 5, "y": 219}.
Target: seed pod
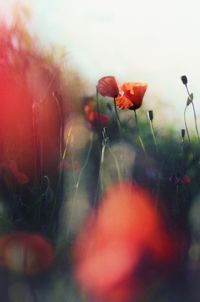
{"x": 183, "y": 133}
{"x": 150, "y": 115}
{"x": 184, "y": 80}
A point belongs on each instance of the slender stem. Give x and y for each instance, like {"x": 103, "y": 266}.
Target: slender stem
{"x": 61, "y": 126}
{"x": 117, "y": 115}
{"x": 138, "y": 134}
{"x": 66, "y": 144}
{"x": 103, "y": 148}
{"x": 105, "y": 144}
{"x": 116, "y": 164}
{"x": 59, "y": 189}
{"x": 101, "y": 164}
{"x": 195, "y": 118}
{"x": 186, "y": 127}
{"x": 78, "y": 181}
{"x": 85, "y": 163}
{"x": 98, "y": 111}
{"x": 153, "y": 134}
{"x": 136, "y": 119}
{"x": 194, "y": 111}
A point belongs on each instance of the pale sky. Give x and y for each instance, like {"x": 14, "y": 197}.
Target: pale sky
{"x": 151, "y": 41}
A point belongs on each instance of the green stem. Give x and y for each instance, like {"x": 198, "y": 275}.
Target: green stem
{"x": 194, "y": 111}
{"x": 98, "y": 111}
{"x": 66, "y": 143}
{"x": 85, "y": 163}
{"x": 116, "y": 164}
{"x": 78, "y": 182}
{"x": 117, "y": 115}
{"x": 153, "y": 134}
{"x": 138, "y": 134}
{"x": 186, "y": 127}
{"x": 195, "y": 119}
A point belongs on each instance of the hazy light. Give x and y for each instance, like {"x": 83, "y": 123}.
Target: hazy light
{"x": 148, "y": 41}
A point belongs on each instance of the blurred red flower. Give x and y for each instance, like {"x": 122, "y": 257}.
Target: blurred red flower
{"x": 93, "y": 117}
{"x": 186, "y": 180}
{"x": 25, "y": 253}
{"x": 131, "y": 96}
{"x": 107, "y": 86}
{"x": 119, "y": 252}
{"x": 28, "y": 136}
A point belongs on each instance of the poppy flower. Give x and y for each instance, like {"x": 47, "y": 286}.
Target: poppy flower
{"x": 107, "y": 86}
{"x": 95, "y": 118}
{"x": 122, "y": 245}
{"x": 131, "y": 96}
{"x": 25, "y": 253}
{"x": 26, "y": 136}
{"x": 186, "y": 180}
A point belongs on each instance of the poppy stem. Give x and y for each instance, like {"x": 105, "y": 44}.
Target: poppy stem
{"x": 71, "y": 217}
{"x": 153, "y": 134}
{"x": 66, "y": 144}
{"x": 195, "y": 118}
{"x": 58, "y": 105}
{"x": 116, "y": 164}
{"x": 186, "y": 127}
{"x": 98, "y": 111}
{"x": 138, "y": 134}
{"x": 117, "y": 115}
{"x": 85, "y": 163}
{"x": 105, "y": 144}
{"x": 194, "y": 111}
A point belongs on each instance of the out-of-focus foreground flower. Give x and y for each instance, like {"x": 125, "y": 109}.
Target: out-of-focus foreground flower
{"x": 131, "y": 96}
{"x": 28, "y": 112}
{"x": 107, "y": 86}
{"x": 119, "y": 254}
{"x": 34, "y": 104}
{"x": 25, "y": 253}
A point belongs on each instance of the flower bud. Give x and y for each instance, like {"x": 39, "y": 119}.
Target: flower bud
{"x": 184, "y": 80}
{"x": 150, "y": 115}
{"x": 183, "y": 133}
{"x": 107, "y": 86}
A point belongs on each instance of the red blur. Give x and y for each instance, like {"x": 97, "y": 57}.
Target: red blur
{"x": 124, "y": 248}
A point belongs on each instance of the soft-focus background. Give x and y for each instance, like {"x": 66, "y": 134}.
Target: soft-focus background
{"x": 149, "y": 41}
{"x": 99, "y": 203}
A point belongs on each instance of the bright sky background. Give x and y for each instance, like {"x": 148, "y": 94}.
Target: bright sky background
{"x": 152, "y": 41}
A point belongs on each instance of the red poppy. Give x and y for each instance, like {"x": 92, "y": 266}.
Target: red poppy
{"x": 186, "y": 180}
{"x": 131, "y": 96}
{"x": 107, "y": 86}
{"x": 25, "y": 253}
{"x": 95, "y": 118}
{"x": 110, "y": 253}
{"x": 24, "y": 84}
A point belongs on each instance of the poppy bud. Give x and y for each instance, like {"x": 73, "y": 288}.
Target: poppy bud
{"x": 150, "y": 115}
{"x": 107, "y": 86}
{"x": 184, "y": 80}
{"x": 183, "y": 133}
